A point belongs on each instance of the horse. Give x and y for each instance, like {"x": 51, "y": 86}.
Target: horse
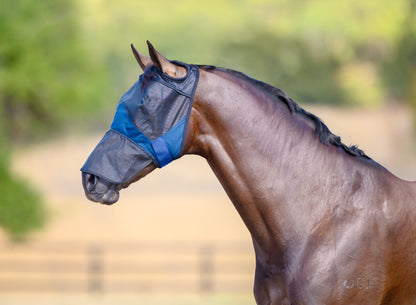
{"x": 329, "y": 225}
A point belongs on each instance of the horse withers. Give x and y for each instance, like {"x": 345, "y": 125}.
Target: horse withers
{"x": 329, "y": 225}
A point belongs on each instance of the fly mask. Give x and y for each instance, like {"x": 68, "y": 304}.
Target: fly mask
{"x": 150, "y": 125}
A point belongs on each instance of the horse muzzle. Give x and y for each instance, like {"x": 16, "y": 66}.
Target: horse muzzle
{"x": 98, "y": 190}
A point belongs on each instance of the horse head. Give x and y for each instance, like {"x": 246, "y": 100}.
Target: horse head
{"x": 149, "y": 129}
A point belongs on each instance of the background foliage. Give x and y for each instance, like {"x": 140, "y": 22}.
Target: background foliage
{"x": 318, "y": 51}
{"x": 46, "y": 80}
{"x": 66, "y": 62}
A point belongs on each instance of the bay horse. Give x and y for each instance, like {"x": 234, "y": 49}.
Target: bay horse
{"x": 329, "y": 225}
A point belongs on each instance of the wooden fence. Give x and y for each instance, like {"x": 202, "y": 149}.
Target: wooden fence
{"x": 127, "y": 268}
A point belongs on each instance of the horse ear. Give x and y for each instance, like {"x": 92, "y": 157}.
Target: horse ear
{"x": 143, "y": 60}
{"x": 164, "y": 64}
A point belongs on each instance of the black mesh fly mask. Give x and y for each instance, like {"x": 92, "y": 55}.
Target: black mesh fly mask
{"x": 149, "y": 126}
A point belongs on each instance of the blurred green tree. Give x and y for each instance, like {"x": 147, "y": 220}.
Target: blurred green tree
{"x": 287, "y": 62}
{"x": 317, "y": 51}
{"x": 46, "y": 76}
{"x": 399, "y": 69}
{"x": 47, "y": 80}
{"x": 21, "y": 207}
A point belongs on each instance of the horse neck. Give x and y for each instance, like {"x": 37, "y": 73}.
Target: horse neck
{"x": 267, "y": 159}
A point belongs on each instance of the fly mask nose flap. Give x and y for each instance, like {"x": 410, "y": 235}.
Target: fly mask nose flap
{"x": 150, "y": 125}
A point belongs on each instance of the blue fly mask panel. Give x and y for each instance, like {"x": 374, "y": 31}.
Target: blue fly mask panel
{"x": 150, "y": 125}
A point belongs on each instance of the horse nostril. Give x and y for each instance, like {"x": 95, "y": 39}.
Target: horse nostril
{"x": 91, "y": 178}
{"x": 90, "y": 181}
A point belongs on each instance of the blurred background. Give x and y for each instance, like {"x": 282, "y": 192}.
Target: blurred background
{"x": 65, "y": 63}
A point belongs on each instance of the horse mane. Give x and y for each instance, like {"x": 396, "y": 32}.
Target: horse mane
{"x": 322, "y": 132}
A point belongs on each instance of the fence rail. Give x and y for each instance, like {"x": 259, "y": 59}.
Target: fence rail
{"x": 127, "y": 268}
